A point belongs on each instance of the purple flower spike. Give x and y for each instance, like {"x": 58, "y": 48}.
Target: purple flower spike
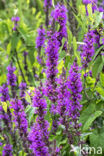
{"x": 22, "y": 87}
{"x": 25, "y": 53}
{"x": 40, "y": 38}
{"x": 59, "y": 14}
{"x": 5, "y": 93}
{"x": 7, "y": 151}
{"x": 75, "y": 87}
{"x": 88, "y": 48}
{"x": 39, "y": 132}
{"x": 19, "y": 116}
{"x": 38, "y": 145}
{"x": 11, "y": 77}
{"x": 51, "y": 64}
{"x": 47, "y": 3}
{"x": 15, "y": 20}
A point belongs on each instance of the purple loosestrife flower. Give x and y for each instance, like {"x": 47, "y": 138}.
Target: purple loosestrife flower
{"x": 5, "y": 117}
{"x": 51, "y": 64}
{"x": 15, "y": 20}
{"x": 88, "y": 48}
{"x": 40, "y": 38}
{"x": 21, "y": 123}
{"x": 25, "y": 53}
{"x": 22, "y": 87}
{"x": 19, "y": 116}
{"x": 74, "y": 85}
{"x": 11, "y": 77}
{"x": 62, "y": 98}
{"x": 47, "y": 3}
{"x": 38, "y": 136}
{"x": 38, "y": 145}
{"x": 7, "y": 151}
{"x": 60, "y": 16}
{"x": 40, "y": 43}
{"x": 4, "y": 93}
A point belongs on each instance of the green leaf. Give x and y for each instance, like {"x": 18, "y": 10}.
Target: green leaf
{"x": 98, "y": 19}
{"x": 97, "y": 66}
{"x": 8, "y": 48}
{"x": 97, "y": 139}
{"x": 70, "y": 36}
{"x": 102, "y": 79}
{"x": 97, "y": 52}
{"x": 91, "y": 119}
{"x": 63, "y": 142}
{"x": 87, "y": 112}
{"x": 100, "y": 91}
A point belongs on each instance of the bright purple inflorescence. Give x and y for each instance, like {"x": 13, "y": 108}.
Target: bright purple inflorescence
{"x": 90, "y": 39}
{"x": 38, "y": 145}
{"x": 4, "y": 93}
{"x": 7, "y": 151}
{"x": 40, "y": 43}
{"x": 52, "y": 62}
{"x": 88, "y": 48}
{"x": 38, "y": 136}
{"x": 15, "y": 20}
{"x": 19, "y": 116}
{"x": 25, "y": 53}
{"x": 40, "y": 38}
{"x": 47, "y": 3}
{"x": 60, "y": 16}
{"x": 62, "y": 99}
{"x": 22, "y": 87}
{"x": 5, "y": 117}
{"x": 74, "y": 84}
{"x": 11, "y": 77}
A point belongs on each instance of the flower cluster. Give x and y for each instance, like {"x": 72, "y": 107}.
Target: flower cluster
{"x": 11, "y": 77}
{"x": 39, "y": 133}
{"x": 19, "y": 116}
{"x": 38, "y": 146}
{"x": 22, "y": 87}
{"x": 7, "y": 151}
{"x": 52, "y": 62}
{"x": 4, "y": 93}
{"x": 15, "y": 20}
{"x": 74, "y": 85}
{"x": 62, "y": 98}
{"x": 60, "y": 16}
{"x": 40, "y": 38}
{"x": 40, "y": 42}
{"x": 47, "y": 3}
{"x": 88, "y": 48}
